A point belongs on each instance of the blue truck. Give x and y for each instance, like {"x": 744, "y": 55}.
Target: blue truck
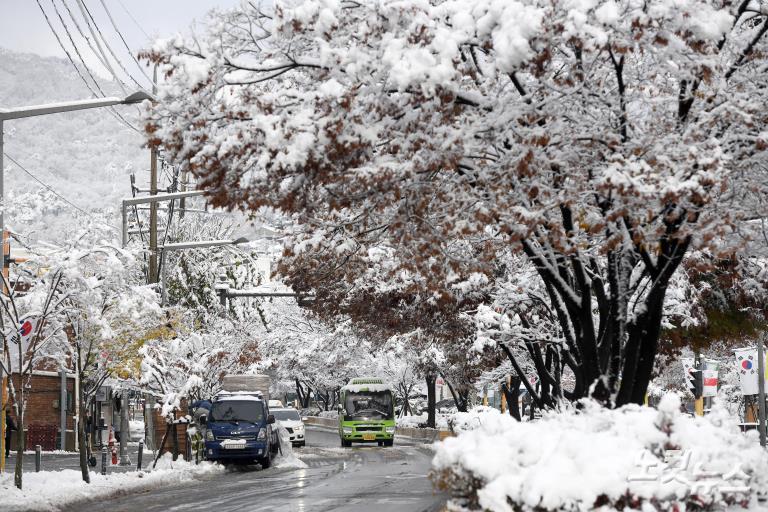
{"x": 236, "y": 425}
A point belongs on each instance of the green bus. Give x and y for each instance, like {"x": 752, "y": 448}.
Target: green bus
{"x": 366, "y": 412}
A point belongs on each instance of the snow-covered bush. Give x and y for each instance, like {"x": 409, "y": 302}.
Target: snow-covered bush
{"x": 420, "y": 421}
{"x": 580, "y": 459}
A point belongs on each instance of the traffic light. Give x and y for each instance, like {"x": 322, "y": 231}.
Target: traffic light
{"x": 695, "y": 383}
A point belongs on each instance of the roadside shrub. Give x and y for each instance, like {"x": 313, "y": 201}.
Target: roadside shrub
{"x": 592, "y": 457}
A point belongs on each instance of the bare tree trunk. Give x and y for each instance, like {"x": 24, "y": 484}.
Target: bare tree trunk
{"x": 460, "y": 398}
{"x": 302, "y": 394}
{"x": 512, "y": 396}
{"x": 162, "y": 445}
{"x": 406, "y": 410}
{"x": 82, "y": 440}
{"x": 175, "y": 440}
{"x": 431, "y": 399}
{"x": 20, "y": 439}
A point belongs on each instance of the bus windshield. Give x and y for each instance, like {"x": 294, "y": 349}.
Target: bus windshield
{"x": 369, "y": 405}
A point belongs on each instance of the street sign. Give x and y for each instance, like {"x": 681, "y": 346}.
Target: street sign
{"x": 102, "y": 394}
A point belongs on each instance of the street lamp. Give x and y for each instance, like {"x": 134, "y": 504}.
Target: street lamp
{"x": 180, "y": 246}
{"x": 41, "y": 110}
{"x": 55, "y": 108}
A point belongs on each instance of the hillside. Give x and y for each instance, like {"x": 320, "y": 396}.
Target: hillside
{"x": 86, "y": 156}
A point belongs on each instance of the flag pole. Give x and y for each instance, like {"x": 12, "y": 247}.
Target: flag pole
{"x": 761, "y": 390}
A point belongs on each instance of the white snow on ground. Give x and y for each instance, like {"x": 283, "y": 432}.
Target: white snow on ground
{"x": 287, "y": 458}
{"x": 417, "y": 421}
{"x": 579, "y": 459}
{"x": 52, "y": 490}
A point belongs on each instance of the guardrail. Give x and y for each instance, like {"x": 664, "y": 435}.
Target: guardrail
{"x": 429, "y": 435}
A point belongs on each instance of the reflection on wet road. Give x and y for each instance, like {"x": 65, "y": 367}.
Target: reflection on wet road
{"x": 361, "y": 478}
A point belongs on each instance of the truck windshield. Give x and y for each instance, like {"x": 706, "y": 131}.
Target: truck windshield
{"x": 373, "y": 405}
{"x": 286, "y": 415}
{"x": 235, "y": 410}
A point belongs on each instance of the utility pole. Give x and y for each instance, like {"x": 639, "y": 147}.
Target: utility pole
{"x": 152, "y": 273}
{"x": 183, "y": 188}
{"x": 761, "y": 389}
{"x": 125, "y": 430}
{"x": 3, "y": 382}
{"x": 63, "y": 409}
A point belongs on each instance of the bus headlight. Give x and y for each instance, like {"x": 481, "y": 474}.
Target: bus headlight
{"x": 390, "y": 430}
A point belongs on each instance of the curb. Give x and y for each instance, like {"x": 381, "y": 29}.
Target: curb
{"x": 426, "y": 435}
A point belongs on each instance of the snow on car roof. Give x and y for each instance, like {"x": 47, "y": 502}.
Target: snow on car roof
{"x": 239, "y": 395}
{"x": 358, "y": 388}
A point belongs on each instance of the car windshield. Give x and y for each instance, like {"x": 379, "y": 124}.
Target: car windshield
{"x": 374, "y": 405}
{"x": 235, "y": 410}
{"x": 286, "y": 415}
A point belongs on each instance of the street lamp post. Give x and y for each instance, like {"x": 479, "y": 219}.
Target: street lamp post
{"x": 56, "y": 108}
{"x": 32, "y": 111}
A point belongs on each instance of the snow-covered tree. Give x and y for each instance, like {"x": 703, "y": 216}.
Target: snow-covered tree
{"x": 27, "y": 337}
{"x": 103, "y": 313}
{"x": 603, "y": 141}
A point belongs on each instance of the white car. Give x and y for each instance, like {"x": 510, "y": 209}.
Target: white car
{"x": 291, "y": 420}
{"x": 276, "y": 403}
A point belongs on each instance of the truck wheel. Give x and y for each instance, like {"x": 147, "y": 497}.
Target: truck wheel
{"x": 266, "y": 461}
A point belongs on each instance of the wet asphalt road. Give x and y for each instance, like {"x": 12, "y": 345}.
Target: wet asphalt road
{"x": 361, "y": 478}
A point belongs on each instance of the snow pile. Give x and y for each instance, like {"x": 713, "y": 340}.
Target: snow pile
{"x": 595, "y": 457}
{"x": 464, "y": 421}
{"x": 136, "y": 428}
{"x": 53, "y": 490}
{"x": 420, "y": 421}
{"x": 286, "y": 457}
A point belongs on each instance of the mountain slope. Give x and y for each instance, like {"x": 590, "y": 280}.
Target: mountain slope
{"x": 86, "y": 156}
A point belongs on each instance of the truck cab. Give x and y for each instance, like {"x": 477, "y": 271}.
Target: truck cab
{"x": 239, "y": 428}
{"x": 366, "y": 412}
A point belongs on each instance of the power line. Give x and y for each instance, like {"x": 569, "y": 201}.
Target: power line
{"x": 44, "y": 184}
{"x": 61, "y": 44}
{"x": 133, "y": 19}
{"x": 111, "y": 110}
{"x": 98, "y": 45}
{"x": 108, "y": 47}
{"x": 79, "y": 30}
{"x": 54, "y": 192}
{"x": 72, "y": 41}
{"x": 114, "y": 25}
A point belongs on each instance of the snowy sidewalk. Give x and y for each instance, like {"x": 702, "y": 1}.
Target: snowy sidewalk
{"x": 58, "y": 460}
{"x": 52, "y": 490}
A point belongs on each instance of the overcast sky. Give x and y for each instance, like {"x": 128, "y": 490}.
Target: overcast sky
{"x": 23, "y": 27}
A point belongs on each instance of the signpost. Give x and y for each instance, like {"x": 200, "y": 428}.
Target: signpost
{"x": 761, "y": 390}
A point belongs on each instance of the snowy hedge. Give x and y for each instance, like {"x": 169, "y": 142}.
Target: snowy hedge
{"x": 596, "y": 457}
